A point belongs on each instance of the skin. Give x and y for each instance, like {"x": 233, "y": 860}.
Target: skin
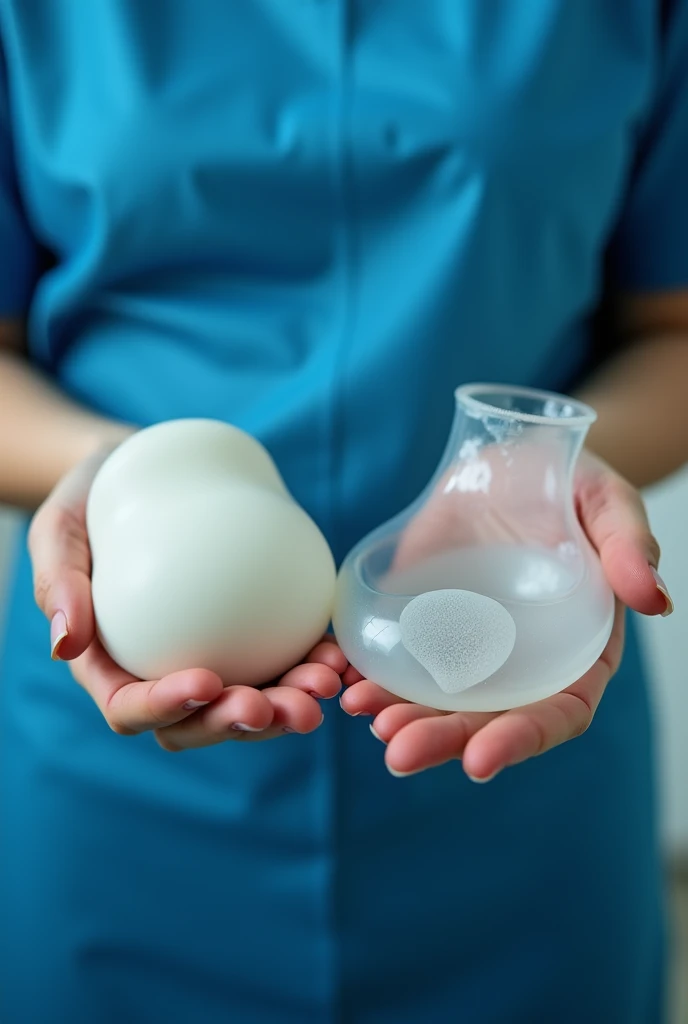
{"x": 50, "y": 449}
{"x": 643, "y": 430}
{"x": 418, "y": 737}
{"x": 59, "y": 548}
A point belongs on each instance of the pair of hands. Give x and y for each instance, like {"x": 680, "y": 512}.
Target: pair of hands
{"x": 192, "y": 708}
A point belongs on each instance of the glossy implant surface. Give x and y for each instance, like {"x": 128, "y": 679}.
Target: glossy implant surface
{"x": 485, "y": 594}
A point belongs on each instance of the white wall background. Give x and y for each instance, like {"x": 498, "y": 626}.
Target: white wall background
{"x": 6, "y": 531}
{"x": 667, "y": 646}
{"x": 666, "y": 640}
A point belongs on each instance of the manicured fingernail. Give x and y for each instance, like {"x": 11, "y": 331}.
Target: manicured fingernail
{"x": 400, "y": 775}
{"x": 191, "y": 705}
{"x": 487, "y": 778}
{"x": 662, "y": 588}
{"x": 351, "y": 714}
{"x": 242, "y": 727}
{"x": 377, "y": 737}
{"x": 58, "y": 632}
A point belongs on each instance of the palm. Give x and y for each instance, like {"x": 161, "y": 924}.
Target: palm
{"x": 190, "y": 708}
{"x": 495, "y": 496}
{"x": 418, "y": 737}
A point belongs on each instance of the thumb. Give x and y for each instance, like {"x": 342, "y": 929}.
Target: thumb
{"x": 61, "y": 560}
{"x": 613, "y": 515}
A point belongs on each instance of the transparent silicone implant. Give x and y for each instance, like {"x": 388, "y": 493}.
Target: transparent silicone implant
{"x": 485, "y": 594}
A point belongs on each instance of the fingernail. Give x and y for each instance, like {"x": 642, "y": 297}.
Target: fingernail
{"x": 192, "y": 704}
{"x": 58, "y": 632}
{"x": 288, "y": 729}
{"x": 351, "y": 714}
{"x": 400, "y": 775}
{"x": 377, "y": 737}
{"x": 662, "y": 588}
{"x": 242, "y": 727}
{"x": 487, "y": 778}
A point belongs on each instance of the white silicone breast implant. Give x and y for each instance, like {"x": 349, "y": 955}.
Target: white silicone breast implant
{"x": 201, "y": 558}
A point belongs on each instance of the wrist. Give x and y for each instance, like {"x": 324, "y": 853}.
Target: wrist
{"x": 96, "y": 439}
{"x": 108, "y": 435}
{"x": 79, "y": 448}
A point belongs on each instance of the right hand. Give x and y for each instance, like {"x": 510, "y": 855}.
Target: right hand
{"x": 191, "y": 708}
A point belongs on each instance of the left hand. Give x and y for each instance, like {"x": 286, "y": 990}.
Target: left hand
{"x": 614, "y": 517}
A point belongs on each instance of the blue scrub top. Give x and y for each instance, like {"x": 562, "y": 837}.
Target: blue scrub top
{"x": 314, "y": 219}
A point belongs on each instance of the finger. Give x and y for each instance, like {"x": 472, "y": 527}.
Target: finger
{"x": 397, "y": 716}
{"x": 526, "y": 732}
{"x": 294, "y": 710}
{"x": 351, "y": 676}
{"x": 61, "y": 561}
{"x": 430, "y": 740}
{"x": 319, "y": 680}
{"x": 519, "y": 735}
{"x": 614, "y": 517}
{"x": 329, "y": 653}
{"x": 366, "y": 698}
{"x": 132, "y": 706}
{"x": 239, "y": 713}
{"x": 245, "y": 714}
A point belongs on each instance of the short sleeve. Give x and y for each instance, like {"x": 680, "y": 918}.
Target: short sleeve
{"x": 18, "y": 249}
{"x": 650, "y": 246}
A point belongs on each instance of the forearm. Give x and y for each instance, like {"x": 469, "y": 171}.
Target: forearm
{"x": 642, "y": 405}
{"x": 42, "y": 433}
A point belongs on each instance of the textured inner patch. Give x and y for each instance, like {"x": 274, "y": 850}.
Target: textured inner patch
{"x": 461, "y": 638}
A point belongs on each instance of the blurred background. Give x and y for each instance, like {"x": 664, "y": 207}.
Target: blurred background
{"x": 666, "y": 642}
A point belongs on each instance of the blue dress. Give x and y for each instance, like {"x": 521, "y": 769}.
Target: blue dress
{"x": 314, "y": 219}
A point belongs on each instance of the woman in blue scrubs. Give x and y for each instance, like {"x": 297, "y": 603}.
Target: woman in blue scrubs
{"x": 314, "y": 220}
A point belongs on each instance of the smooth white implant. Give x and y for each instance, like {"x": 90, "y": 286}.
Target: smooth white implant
{"x": 201, "y": 557}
